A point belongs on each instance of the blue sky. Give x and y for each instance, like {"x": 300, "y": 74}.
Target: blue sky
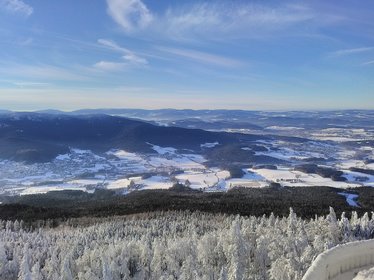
{"x": 273, "y": 55}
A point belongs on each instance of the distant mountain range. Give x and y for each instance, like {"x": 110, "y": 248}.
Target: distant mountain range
{"x": 241, "y": 119}
{"x": 41, "y": 136}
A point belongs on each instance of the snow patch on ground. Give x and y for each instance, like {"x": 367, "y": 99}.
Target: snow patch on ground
{"x": 156, "y": 182}
{"x": 274, "y": 127}
{"x": 153, "y": 182}
{"x": 206, "y": 179}
{"x": 209, "y": 145}
{"x": 346, "y": 164}
{"x": 289, "y": 177}
{"x": 250, "y": 175}
{"x": 246, "y": 183}
{"x": 358, "y": 177}
{"x": 45, "y": 189}
{"x": 123, "y": 183}
{"x": 86, "y": 182}
{"x": 176, "y": 162}
{"x": 163, "y": 150}
{"x": 121, "y": 154}
{"x": 79, "y": 151}
{"x": 63, "y": 157}
{"x": 351, "y": 198}
{"x": 289, "y": 153}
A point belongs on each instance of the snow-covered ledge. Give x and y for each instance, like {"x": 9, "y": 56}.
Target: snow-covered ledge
{"x": 340, "y": 259}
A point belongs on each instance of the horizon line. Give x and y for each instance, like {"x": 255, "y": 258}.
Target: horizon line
{"x": 185, "y": 109}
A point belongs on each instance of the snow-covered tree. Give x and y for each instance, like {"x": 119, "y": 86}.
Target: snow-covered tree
{"x": 66, "y": 273}
{"x": 333, "y": 227}
{"x": 174, "y": 245}
{"x": 25, "y": 272}
{"x": 3, "y": 261}
{"x": 107, "y": 273}
{"x": 35, "y": 272}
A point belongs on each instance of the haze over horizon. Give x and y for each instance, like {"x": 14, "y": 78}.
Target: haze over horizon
{"x": 253, "y": 55}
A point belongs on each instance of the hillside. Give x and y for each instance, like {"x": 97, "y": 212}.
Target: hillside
{"x": 36, "y": 137}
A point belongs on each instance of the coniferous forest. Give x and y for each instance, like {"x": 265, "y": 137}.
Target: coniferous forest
{"x": 174, "y": 245}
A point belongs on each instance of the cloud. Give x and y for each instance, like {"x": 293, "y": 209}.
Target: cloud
{"x": 228, "y": 17}
{"x": 128, "y": 55}
{"x": 16, "y": 7}
{"x": 41, "y": 73}
{"x": 129, "y": 14}
{"x": 134, "y": 59}
{"x": 368, "y": 63}
{"x": 212, "y": 19}
{"x": 202, "y": 57}
{"x": 351, "y": 51}
{"x": 109, "y": 66}
{"x": 112, "y": 45}
{"x": 30, "y": 84}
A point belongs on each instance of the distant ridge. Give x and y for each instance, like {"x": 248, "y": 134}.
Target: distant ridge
{"x": 40, "y": 137}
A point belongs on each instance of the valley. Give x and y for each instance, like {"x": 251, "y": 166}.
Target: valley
{"x": 115, "y": 153}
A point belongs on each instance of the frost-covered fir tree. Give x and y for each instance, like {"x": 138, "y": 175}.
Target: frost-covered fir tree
{"x": 3, "y": 261}
{"x": 24, "y": 271}
{"x": 174, "y": 245}
{"x": 35, "y": 272}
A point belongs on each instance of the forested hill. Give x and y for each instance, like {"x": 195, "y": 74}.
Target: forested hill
{"x": 40, "y": 137}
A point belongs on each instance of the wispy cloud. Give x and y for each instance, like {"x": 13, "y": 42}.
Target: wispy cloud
{"x": 109, "y": 66}
{"x": 16, "y": 7}
{"x": 39, "y": 71}
{"x": 351, "y": 51}
{"x": 30, "y": 84}
{"x": 129, "y": 14}
{"x": 202, "y": 57}
{"x": 127, "y": 55}
{"x": 209, "y": 19}
{"x": 229, "y": 17}
{"x": 368, "y": 63}
{"x": 112, "y": 45}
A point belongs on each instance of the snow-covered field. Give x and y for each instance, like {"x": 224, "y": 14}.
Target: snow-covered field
{"x": 289, "y": 177}
{"x": 116, "y": 169}
{"x": 124, "y": 171}
{"x": 207, "y": 178}
{"x": 342, "y": 134}
{"x": 352, "y": 176}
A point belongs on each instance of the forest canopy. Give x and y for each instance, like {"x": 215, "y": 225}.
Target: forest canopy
{"x": 174, "y": 245}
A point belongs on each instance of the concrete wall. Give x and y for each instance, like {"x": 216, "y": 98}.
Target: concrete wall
{"x": 340, "y": 259}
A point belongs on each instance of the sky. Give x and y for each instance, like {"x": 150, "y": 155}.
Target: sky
{"x": 255, "y": 55}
